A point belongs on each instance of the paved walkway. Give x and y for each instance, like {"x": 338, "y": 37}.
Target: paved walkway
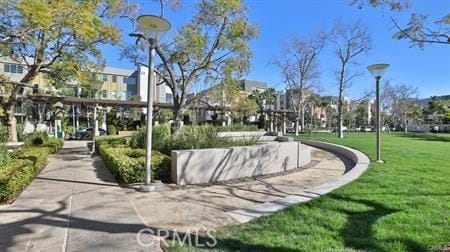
{"x": 204, "y": 208}
{"x": 75, "y": 204}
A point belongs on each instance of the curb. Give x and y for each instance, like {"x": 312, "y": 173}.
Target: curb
{"x": 361, "y": 164}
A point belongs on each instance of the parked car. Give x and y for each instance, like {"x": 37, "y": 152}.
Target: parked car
{"x": 435, "y": 129}
{"x": 344, "y": 128}
{"x": 86, "y": 133}
{"x": 365, "y": 129}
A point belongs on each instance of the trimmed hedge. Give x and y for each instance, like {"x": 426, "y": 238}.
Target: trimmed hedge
{"x": 24, "y": 166}
{"x": 15, "y": 177}
{"x": 111, "y": 140}
{"x": 127, "y": 164}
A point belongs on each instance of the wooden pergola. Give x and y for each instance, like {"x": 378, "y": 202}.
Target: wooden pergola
{"x": 274, "y": 115}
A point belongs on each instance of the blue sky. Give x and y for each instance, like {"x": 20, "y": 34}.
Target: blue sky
{"x": 427, "y": 69}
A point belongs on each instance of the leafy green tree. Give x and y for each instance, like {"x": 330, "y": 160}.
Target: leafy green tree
{"x": 58, "y": 38}
{"x": 270, "y": 95}
{"x": 232, "y": 99}
{"x": 439, "y": 108}
{"x": 210, "y": 48}
{"x": 361, "y": 115}
{"x": 263, "y": 98}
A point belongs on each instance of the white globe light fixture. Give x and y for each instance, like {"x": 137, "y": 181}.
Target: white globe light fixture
{"x": 377, "y": 71}
{"x": 153, "y": 29}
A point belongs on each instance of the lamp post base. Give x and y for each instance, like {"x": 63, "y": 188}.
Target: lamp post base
{"x": 147, "y": 187}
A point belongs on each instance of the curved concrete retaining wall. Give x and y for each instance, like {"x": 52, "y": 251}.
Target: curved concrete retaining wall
{"x": 221, "y": 164}
{"x": 361, "y": 164}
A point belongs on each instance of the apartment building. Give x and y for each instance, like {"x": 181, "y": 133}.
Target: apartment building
{"x": 16, "y": 71}
{"x": 118, "y": 84}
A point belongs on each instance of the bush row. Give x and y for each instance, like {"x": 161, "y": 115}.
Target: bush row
{"x": 25, "y": 164}
{"x": 238, "y": 127}
{"x": 127, "y": 164}
{"x": 189, "y": 137}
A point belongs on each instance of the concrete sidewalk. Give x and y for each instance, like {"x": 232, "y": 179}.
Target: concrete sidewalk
{"x": 73, "y": 205}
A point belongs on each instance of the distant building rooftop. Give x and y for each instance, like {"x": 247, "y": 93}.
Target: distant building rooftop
{"x": 250, "y": 85}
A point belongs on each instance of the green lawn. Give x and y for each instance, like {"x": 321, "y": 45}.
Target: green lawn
{"x": 401, "y": 205}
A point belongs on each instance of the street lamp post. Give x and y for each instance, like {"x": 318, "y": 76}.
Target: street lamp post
{"x": 378, "y": 71}
{"x": 153, "y": 28}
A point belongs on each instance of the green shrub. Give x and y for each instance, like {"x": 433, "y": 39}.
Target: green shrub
{"x": 20, "y": 135}
{"x": 25, "y": 164}
{"x": 189, "y": 137}
{"x": 196, "y": 137}
{"x": 54, "y": 145}
{"x": 244, "y": 141}
{"x": 38, "y": 155}
{"x": 4, "y": 157}
{"x": 160, "y": 138}
{"x": 238, "y": 127}
{"x": 111, "y": 129}
{"x": 111, "y": 140}
{"x": 36, "y": 139}
{"x": 15, "y": 177}
{"x": 205, "y": 136}
{"x": 127, "y": 165}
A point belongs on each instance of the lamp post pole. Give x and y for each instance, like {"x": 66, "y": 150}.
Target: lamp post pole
{"x": 378, "y": 121}
{"x": 148, "y": 187}
{"x": 94, "y": 130}
{"x": 152, "y": 28}
{"x": 378, "y": 70}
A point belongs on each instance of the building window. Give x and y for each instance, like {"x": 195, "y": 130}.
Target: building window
{"x": 12, "y": 68}
{"x": 113, "y": 94}
{"x": 124, "y": 95}
{"x": 129, "y": 80}
{"x": 105, "y": 77}
{"x": 114, "y": 78}
{"x": 105, "y": 93}
{"x": 169, "y": 98}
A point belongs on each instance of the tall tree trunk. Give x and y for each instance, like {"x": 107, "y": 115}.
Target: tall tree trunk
{"x": 175, "y": 126}
{"x": 339, "y": 118}
{"x": 405, "y": 124}
{"x": 12, "y": 123}
{"x": 296, "y": 127}
{"x": 303, "y": 118}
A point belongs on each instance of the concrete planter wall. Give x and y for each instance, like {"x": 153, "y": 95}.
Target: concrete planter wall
{"x": 221, "y": 164}
{"x": 361, "y": 164}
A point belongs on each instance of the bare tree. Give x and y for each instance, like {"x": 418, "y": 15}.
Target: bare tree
{"x": 388, "y": 101}
{"x": 396, "y": 99}
{"x": 350, "y": 42}
{"x": 300, "y": 71}
{"x": 406, "y": 98}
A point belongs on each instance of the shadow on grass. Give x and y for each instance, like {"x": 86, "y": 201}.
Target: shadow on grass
{"x": 427, "y": 137}
{"x": 358, "y": 233}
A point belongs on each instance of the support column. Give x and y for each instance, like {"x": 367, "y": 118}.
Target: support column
{"x": 271, "y": 120}
{"x": 275, "y": 116}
